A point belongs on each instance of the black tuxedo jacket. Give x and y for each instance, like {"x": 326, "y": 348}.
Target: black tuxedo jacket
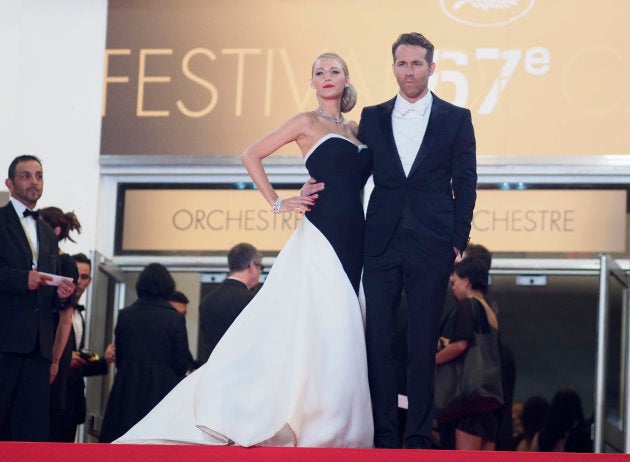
{"x": 219, "y": 309}
{"x": 26, "y": 317}
{"x": 438, "y": 196}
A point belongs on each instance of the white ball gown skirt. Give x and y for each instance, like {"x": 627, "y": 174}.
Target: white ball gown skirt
{"x": 290, "y": 371}
{"x": 292, "y": 368}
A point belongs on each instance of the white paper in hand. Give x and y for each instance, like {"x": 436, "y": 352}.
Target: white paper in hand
{"x": 56, "y": 279}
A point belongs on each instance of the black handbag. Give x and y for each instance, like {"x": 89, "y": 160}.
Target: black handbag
{"x": 471, "y": 383}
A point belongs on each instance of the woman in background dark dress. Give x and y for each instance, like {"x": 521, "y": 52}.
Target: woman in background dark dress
{"x": 470, "y": 283}
{"x": 152, "y": 353}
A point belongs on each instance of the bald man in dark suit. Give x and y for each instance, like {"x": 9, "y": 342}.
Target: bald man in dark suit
{"x": 29, "y": 249}
{"x": 219, "y": 309}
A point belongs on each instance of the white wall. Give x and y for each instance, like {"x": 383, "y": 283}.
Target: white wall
{"x": 50, "y": 100}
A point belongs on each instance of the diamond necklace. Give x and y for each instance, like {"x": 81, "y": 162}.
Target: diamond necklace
{"x": 338, "y": 120}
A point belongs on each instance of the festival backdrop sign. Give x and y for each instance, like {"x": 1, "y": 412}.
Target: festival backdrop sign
{"x": 541, "y": 77}
{"x": 160, "y": 219}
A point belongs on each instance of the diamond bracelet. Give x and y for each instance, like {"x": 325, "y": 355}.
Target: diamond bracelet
{"x": 276, "y": 205}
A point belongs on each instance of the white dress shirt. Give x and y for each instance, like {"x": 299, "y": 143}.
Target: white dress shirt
{"x": 77, "y": 326}
{"x": 409, "y": 123}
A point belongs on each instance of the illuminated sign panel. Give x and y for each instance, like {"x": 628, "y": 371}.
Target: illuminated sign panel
{"x": 199, "y": 221}
{"x": 550, "y": 220}
{"x": 188, "y": 220}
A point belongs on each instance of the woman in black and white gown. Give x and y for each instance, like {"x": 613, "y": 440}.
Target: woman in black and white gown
{"x": 292, "y": 369}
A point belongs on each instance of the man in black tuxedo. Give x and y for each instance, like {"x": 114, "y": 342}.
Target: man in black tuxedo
{"x": 417, "y": 223}
{"x": 63, "y": 423}
{"x": 219, "y": 309}
{"x": 29, "y": 249}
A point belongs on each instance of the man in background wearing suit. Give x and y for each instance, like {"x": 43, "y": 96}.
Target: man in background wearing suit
{"x": 418, "y": 222}
{"x": 63, "y": 423}
{"x": 180, "y": 301}
{"x": 220, "y": 308}
{"x": 28, "y": 251}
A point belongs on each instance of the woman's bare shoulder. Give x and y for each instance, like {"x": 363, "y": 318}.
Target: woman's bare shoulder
{"x": 353, "y": 127}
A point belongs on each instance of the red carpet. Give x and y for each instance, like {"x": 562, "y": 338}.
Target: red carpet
{"x": 86, "y": 452}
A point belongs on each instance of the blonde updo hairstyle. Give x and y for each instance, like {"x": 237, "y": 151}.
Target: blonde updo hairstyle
{"x": 349, "y": 95}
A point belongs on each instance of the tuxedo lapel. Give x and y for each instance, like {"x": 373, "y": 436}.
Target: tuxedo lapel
{"x": 44, "y": 250}
{"x": 82, "y": 344}
{"x": 436, "y": 120}
{"x": 385, "y": 124}
{"x": 15, "y": 228}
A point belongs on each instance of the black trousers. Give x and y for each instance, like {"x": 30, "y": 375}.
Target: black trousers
{"x": 63, "y": 428}
{"x": 424, "y": 277}
{"x": 24, "y": 389}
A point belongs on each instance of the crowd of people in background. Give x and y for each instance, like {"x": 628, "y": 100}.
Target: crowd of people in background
{"x": 556, "y": 426}
{"x": 43, "y": 359}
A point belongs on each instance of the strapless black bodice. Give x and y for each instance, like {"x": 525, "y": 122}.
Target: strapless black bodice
{"x": 338, "y": 212}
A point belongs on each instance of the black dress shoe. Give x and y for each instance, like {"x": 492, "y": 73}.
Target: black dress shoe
{"x": 386, "y": 444}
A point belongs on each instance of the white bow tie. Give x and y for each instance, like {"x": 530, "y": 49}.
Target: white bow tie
{"x": 404, "y": 110}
